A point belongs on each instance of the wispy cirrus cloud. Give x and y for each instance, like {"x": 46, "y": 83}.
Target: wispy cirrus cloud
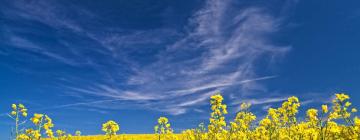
{"x": 218, "y": 85}
{"x": 220, "y": 51}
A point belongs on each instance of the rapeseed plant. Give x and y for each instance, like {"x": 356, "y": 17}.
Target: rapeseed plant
{"x": 110, "y": 128}
{"x": 217, "y": 125}
{"x": 163, "y": 129}
{"x": 77, "y": 133}
{"x": 42, "y": 123}
{"x": 18, "y": 114}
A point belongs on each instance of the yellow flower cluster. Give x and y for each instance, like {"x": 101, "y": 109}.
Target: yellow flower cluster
{"x": 32, "y": 134}
{"x": 110, "y": 128}
{"x": 163, "y": 129}
{"x": 37, "y": 118}
{"x": 20, "y": 108}
{"x": 240, "y": 127}
{"x": 198, "y": 133}
{"x": 47, "y": 126}
{"x": 41, "y": 122}
{"x": 61, "y": 135}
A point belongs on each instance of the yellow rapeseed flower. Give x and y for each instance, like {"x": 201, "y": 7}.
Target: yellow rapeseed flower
{"x": 13, "y": 106}
{"x": 37, "y": 118}
{"x": 325, "y": 108}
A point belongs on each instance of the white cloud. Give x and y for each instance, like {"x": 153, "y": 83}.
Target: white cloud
{"x": 219, "y": 53}
{"x": 217, "y": 85}
{"x": 226, "y": 56}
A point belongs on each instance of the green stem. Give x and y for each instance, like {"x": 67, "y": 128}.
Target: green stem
{"x": 17, "y": 124}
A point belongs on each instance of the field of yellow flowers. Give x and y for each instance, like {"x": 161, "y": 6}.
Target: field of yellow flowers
{"x": 335, "y": 121}
{"x": 117, "y": 137}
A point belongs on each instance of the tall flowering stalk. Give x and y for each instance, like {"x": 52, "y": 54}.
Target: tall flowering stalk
{"x": 217, "y": 125}
{"x": 240, "y": 127}
{"x": 18, "y": 112}
{"x": 163, "y": 129}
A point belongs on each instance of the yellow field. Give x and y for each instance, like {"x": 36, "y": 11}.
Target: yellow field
{"x": 335, "y": 121}
{"x": 118, "y": 137}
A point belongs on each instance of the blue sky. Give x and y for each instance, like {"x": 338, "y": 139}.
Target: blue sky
{"x": 83, "y": 62}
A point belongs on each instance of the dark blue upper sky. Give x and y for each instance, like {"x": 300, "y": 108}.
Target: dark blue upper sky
{"x": 85, "y": 62}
